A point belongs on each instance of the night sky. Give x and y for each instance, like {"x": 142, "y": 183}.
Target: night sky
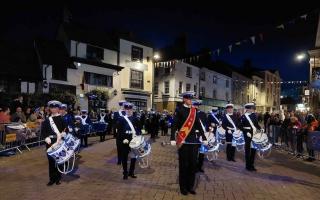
{"x": 206, "y": 26}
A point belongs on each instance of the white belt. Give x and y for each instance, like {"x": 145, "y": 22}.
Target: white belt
{"x": 247, "y": 128}
{"x": 230, "y": 128}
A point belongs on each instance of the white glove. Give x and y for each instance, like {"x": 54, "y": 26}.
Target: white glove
{"x": 173, "y": 143}
{"x": 262, "y": 130}
{"x": 229, "y": 131}
{"x": 47, "y": 140}
{"x": 213, "y": 125}
{"x": 249, "y": 134}
{"x": 125, "y": 141}
{"x": 63, "y": 134}
{"x": 205, "y": 143}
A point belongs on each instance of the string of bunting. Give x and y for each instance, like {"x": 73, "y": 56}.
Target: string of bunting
{"x": 253, "y": 39}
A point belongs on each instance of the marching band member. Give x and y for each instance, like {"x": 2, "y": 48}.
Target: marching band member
{"x": 188, "y": 128}
{"x": 214, "y": 120}
{"x": 116, "y": 117}
{"x": 128, "y": 125}
{"x": 102, "y": 118}
{"x": 51, "y": 137}
{"x": 85, "y": 120}
{"x": 204, "y": 125}
{"x": 248, "y": 128}
{"x": 229, "y": 123}
{"x": 68, "y": 118}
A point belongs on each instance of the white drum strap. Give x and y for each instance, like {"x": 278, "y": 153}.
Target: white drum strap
{"x": 120, "y": 113}
{"x": 102, "y": 118}
{"x": 231, "y": 122}
{"x": 54, "y": 126}
{"x": 131, "y": 126}
{"x": 214, "y": 116}
{"x": 83, "y": 120}
{"x": 250, "y": 122}
{"x": 203, "y": 128}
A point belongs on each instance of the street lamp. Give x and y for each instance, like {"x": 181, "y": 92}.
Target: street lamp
{"x": 301, "y": 56}
{"x": 156, "y": 57}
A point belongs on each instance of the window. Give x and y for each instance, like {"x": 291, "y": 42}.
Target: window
{"x": 136, "y": 79}
{"x": 188, "y": 87}
{"x": 166, "y": 87}
{"x": 227, "y": 96}
{"x": 214, "y": 94}
{"x": 189, "y": 72}
{"x": 136, "y": 53}
{"x": 180, "y": 87}
{"x": 203, "y": 92}
{"x": 195, "y": 89}
{"x": 98, "y": 79}
{"x": 94, "y": 53}
{"x": 59, "y": 73}
{"x": 156, "y": 88}
{"x": 214, "y": 80}
{"x": 202, "y": 76}
{"x": 167, "y": 70}
{"x": 227, "y": 83}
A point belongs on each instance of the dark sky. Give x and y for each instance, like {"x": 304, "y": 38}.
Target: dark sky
{"x": 205, "y": 26}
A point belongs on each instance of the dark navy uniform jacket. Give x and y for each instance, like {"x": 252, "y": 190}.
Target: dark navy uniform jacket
{"x": 46, "y": 130}
{"x": 105, "y": 118}
{"x": 180, "y": 116}
{"x": 245, "y": 124}
{"x": 124, "y": 129}
{"x": 211, "y": 119}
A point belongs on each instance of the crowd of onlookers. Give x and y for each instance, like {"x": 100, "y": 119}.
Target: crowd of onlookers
{"x": 292, "y": 130}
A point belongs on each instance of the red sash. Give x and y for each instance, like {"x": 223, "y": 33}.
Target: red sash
{"x": 187, "y": 126}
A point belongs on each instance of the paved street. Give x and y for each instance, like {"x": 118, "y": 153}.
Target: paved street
{"x": 98, "y": 177}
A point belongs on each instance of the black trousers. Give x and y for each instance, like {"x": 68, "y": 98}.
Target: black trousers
{"x": 125, "y": 149}
{"x": 84, "y": 140}
{"x": 250, "y": 153}
{"x": 102, "y": 136}
{"x": 188, "y": 159}
{"x": 231, "y": 150}
{"x": 200, "y": 161}
{"x": 54, "y": 174}
{"x": 119, "y": 154}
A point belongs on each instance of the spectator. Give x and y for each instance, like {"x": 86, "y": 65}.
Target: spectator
{"x": 265, "y": 119}
{"x": 5, "y": 115}
{"x": 312, "y": 125}
{"x": 32, "y": 117}
{"x": 17, "y": 102}
{"x": 18, "y": 116}
{"x": 27, "y": 113}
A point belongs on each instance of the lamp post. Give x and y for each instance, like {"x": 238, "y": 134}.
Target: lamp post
{"x": 156, "y": 57}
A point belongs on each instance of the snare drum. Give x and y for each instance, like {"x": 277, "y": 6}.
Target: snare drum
{"x": 60, "y": 152}
{"x": 72, "y": 142}
{"x": 139, "y": 146}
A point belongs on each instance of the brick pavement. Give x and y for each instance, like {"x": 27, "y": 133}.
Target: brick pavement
{"x": 98, "y": 177}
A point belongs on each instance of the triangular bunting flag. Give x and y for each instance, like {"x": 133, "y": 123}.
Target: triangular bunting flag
{"x": 304, "y": 16}
{"x": 253, "y": 39}
{"x": 280, "y": 26}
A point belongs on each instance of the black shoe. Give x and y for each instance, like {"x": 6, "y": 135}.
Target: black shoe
{"x": 132, "y": 176}
{"x": 253, "y": 169}
{"x": 233, "y": 160}
{"x": 184, "y": 192}
{"x": 125, "y": 177}
{"x": 58, "y": 182}
{"x": 50, "y": 183}
{"x": 201, "y": 170}
{"x": 248, "y": 168}
{"x": 192, "y": 192}
{"x": 118, "y": 163}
